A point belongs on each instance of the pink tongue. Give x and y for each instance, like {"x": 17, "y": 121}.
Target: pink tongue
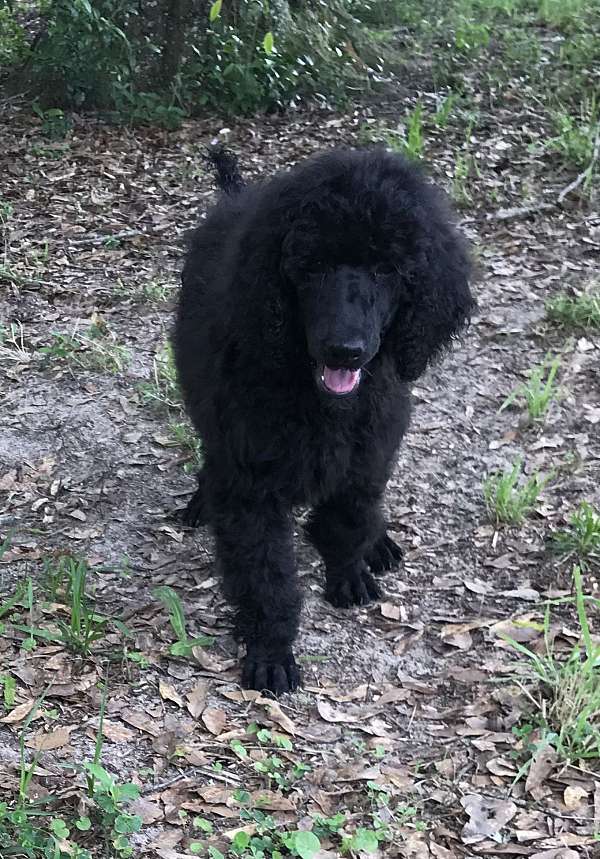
{"x": 340, "y": 381}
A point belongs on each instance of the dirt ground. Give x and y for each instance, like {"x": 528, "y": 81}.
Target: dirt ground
{"x": 408, "y": 706}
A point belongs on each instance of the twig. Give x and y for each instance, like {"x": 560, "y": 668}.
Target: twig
{"x": 100, "y": 240}
{"x": 189, "y": 776}
{"x": 525, "y": 211}
{"x": 520, "y": 211}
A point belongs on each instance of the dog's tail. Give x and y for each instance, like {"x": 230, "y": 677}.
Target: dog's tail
{"x": 225, "y": 165}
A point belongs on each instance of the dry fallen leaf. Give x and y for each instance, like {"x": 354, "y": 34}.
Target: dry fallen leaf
{"x": 116, "y": 733}
{"x": 196, "y": 699}
{"x": 487, "y": 817}
{"x": 542, "y": 765}
{"x": 331, "y": 714}
{"x": 556, "y": 853}
{"x": 276, "y": 713}
{"x": 43, "y": 742}
{"x": 19, "y": 713}
{"x": 574, "y": 795}
{"x": 214, "y": 720}
{"x": 169, "y": 693}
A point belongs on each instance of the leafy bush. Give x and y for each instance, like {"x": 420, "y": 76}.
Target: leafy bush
{"x": 12, "y": 38}
{"x": 146, "y": 64}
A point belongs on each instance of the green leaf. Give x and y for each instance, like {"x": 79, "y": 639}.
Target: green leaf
{"x": 268, "y": 43}
{"x": 128, "y": 823}
{"x": 241, "y": 840}
{"x": 214, "y": 853}
{"x": 306, "y": 844}
{"x": 365, "y": 841}
{"x": 196, "y": 847}
{"x": 59, "y": 828}
{"x": 83, "y": 824}
{"x": 170, "y": 599}
{"x": 104, "y": 779}
{"x": 215, "y": 10}
{"x": 127, "y": 792}
{"x": 203, "y": 824}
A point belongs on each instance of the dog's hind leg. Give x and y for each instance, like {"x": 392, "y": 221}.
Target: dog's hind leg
{"x": 345, "y": 529}
{"x": 256, "y": 555}
{"x": 196, "y": 512}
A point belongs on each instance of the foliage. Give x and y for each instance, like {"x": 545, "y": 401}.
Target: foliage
{"x": 582, "y": 536}
{"x": 506, "y": 500}
{"x": 13, "y": 45}
{"x": 581, "y": 310}
{"x": 539, "y": 391}
{"x": 567, "y": 715}
{"x": 184, "y": 644}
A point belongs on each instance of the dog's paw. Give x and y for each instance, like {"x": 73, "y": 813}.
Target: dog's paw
{"x": 385, "y": 555}
{"x": 353, "y": 587}
{"x": 275, "y": 676}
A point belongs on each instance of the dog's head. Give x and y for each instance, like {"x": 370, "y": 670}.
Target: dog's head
{"x": 375, "y": 265}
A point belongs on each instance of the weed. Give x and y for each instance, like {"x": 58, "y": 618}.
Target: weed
{"x": 581, "y": 310}
{"x": 575, "y": 137}
{"x": 560, "y": 13}
{"x": 464, "y": 168}
{"x": 12, "y": 344}
{"x": 184, "y": 644}
{"x": 95, "y": 349}
{"x": 413, "y": 146}
{"x": 110, "y": 799}
{"x": 582, "y": 537}
{"x": 157, "y": 291}
{"x": 507, "y": 501}
{"x": 183, "y": 435}
{"x": 444, "y": 110}
{"x": 56, "y": 124}
{"x": 84, "y": 626}
{"x": 567, "y": 715}
{"x": 538, "y": 392}
{"x": 471, "y": 36}
{"x": 163, "y": 389}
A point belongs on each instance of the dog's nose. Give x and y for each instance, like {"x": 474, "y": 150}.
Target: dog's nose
{"x": 350, "y": 354}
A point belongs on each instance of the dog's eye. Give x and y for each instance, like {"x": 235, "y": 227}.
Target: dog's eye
{"x": 384, "y": 269}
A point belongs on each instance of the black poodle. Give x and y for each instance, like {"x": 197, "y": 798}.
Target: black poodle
{"x": 309, "y": 303}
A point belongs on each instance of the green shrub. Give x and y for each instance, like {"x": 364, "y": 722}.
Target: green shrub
{"x": 13, "y": 45}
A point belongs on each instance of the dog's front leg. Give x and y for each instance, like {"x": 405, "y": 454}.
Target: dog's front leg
{"x": 256, "y": 555}
{"x": 345, "y": 529}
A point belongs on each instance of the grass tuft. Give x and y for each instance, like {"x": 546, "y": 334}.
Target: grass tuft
{"x": 567, "y": 715}
{"x": 508, "y": 502}
{"x": 581, "y": 539}
{"x": 581, "y": 310}
{"x": 538, "y": 392}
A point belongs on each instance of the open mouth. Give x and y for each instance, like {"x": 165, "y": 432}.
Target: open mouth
{"x": 339, "y": 381}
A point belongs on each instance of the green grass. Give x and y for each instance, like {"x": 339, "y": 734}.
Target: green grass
{"x": 94, "y": 349}
{"x": 580, "y": 310}
{"x": 538, "y": 392}
{"x": 581, "y": 538}
{"x": 508, "y": 499}
{"x": 162, "y": 390}
{"x": 184, "y": 644}
{"x": 184, "y": 436}
{"x": 575, "y": 137}
{"x": 83, "y": 627}
{"x": 567, "y": 694}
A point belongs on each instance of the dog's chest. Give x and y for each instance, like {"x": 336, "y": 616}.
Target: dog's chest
{"x": 321, "y": 461}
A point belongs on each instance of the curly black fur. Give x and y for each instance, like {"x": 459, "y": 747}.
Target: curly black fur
{"x": 309, "y": 302}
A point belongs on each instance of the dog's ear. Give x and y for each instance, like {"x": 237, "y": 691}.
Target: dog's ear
{"x": 439, "y": 302}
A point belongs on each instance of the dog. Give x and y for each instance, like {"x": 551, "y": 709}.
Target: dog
{"x": 309, "y": 303}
